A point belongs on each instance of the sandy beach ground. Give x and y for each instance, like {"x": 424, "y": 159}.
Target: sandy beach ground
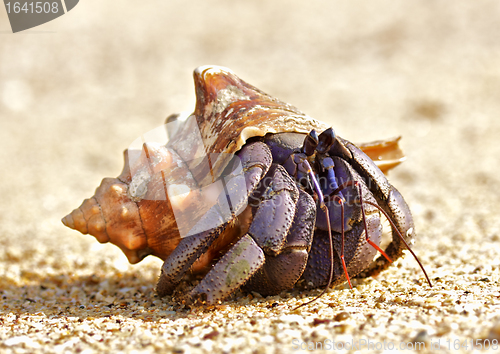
{"x": 75, "y": 92}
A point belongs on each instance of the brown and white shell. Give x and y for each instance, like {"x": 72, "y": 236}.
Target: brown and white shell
{"x": 137, "y": 210}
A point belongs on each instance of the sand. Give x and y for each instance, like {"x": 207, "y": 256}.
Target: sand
{"x": 75, "y": 92}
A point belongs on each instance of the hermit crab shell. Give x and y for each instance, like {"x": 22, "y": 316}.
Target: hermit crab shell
{"x": 139, "y": 210}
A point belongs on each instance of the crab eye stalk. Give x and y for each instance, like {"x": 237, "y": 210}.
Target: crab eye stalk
{"x": 310, "y": 143}
{"x": 326, "y": 140}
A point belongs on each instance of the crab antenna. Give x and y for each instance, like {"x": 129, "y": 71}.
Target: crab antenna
{"x": 370, "y": 242}
{"x": 361, "y": 202}
{"x": 330, "y": 241}
{"x": 402, "y": 239}
{"x": 341, "y": 202}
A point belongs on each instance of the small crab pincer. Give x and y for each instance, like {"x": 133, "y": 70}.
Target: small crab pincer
{"x": 252, "y": 193}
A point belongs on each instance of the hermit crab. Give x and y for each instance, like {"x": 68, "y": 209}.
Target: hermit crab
{"x": 252, "y": 193}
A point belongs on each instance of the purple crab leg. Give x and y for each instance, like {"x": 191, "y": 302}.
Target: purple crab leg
{"x": 284, "y": 270}
{"x": 255, "y": 159}
{"x": 230, "y": 272}
{"x": 267, "y": 234}
{"x": 273, "y": 219}
{"x": 182, "y": 258}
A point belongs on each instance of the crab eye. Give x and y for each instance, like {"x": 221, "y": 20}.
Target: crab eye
{"x": 326, "y": 140}
{"x": 310, "y": 143}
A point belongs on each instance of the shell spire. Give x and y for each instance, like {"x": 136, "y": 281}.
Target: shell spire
{"x": 128, "y": 211}
{"x": 228, "y": 112}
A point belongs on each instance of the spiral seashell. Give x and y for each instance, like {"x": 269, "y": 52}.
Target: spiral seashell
{"x": 139, "y": 210}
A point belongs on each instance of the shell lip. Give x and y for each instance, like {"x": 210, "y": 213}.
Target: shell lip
{"x": 211, "y": 69}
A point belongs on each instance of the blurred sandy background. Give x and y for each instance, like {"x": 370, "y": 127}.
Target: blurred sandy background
{"x": 75, "y": 92}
